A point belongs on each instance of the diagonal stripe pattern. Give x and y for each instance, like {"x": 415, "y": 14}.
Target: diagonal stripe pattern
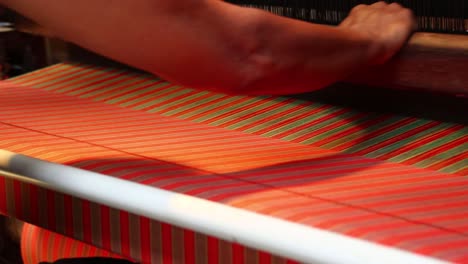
{"x": 399, "y": 181}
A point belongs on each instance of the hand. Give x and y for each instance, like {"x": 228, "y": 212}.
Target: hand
{"x": 388, "y": 26}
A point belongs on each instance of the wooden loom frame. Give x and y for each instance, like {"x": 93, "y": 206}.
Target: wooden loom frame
{"x": 430, "y": 61}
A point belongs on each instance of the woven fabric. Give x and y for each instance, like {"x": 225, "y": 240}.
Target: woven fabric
{"x": 398, "y": 181}
{"x": 40, "y": 245}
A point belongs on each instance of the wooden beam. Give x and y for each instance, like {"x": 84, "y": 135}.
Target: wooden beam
{"x": 433, "y": 62}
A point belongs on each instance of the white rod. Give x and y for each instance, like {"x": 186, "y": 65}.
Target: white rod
{"x": 279, "y": 237}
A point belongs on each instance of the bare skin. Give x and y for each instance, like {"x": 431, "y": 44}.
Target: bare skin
{"x": 213, "y": 45}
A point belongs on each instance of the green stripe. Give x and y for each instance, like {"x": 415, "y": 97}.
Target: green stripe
{"x": 56, "y": 82}
{"x": 209, "y": 107}
{"x": 97, "y": 95}
{"x": 87, "y": 87}
{"x": 264, "y": 115}
{"x": 177, "y": 102}
{"x": 427, "y": 147}
{"x": 41, "y": 73}
{"x": 185, "y": 107}
{"x": 136, "y": 95}
{"x": 301, "y": 121}
{"x": 124, "y": 96}
{"x": 104, "y": 86}
{"x": 361, "y": 133}
{"x": 456, "y": 167}
{"x": 320, "y": 125}
{"x": 282, "y": 118}
{"x": 161, "y": 100}
{"x": 442, "y": 156}
{"x": 388, "y": 135}
{"x": 227, "y": 109}
{"x": 409, "y": 140}
{"x": 339, "y": 129}
{"x": 249, "y": 110}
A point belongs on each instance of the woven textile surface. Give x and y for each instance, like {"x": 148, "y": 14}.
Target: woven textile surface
{"x": 394, "y": 180}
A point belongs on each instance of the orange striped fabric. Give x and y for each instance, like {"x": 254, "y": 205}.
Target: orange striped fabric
{"x": 393, "y": 180}
{"x": 40, "y": 245}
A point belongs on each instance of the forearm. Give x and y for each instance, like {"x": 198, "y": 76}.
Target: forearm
{"x": 210, "y": 46}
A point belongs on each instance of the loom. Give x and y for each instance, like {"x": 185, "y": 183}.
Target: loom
{"x": 101, "y": 160}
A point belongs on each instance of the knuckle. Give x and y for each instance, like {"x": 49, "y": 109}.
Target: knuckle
{"x": 395, "y": 5}
{"x": 358, "y": 8}
{"x": 379, "y": 4}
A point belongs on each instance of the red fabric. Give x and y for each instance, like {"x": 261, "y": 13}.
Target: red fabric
{"x": 38, "y": 245}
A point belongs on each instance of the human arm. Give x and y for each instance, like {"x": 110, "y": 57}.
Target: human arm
{"x": 209, "y": 44}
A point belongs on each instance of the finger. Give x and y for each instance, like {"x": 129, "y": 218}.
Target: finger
{"x": 358, "y": 8}
{"x": 395, "y": 6}
{"x": 379, "y": 5}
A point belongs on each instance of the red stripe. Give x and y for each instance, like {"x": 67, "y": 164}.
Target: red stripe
{"x": 162, "y": 92}
{"x": 423, "y": 197}
{"x": 213, "y": 250}
{"x": 105, "y": 227}
{"x": 463, "y": 172}
{"x": 420, "y": 142}
{"x": 330, "y": 127}
{"x": 312, "y": 123}
{"x": 197, "y": 107}
{"x": 51, "y": 223}
{"x": 17, "y": 196}
{"x": 166, "y": 234}
{"x": 145, "y": 240}
{"x": 99, "y": 81}
{"x": 124, "y": 233}
{"x": 462, "y": 259}
{"x": 56, "y": 253}
{"x": 397, "y": 138}
{"x": 214, "y": 110}
{"x": 275, "y": 116}
{"x": 237, "y": 254}
{"x": 257, "y": 112}
{"x": 188, "y": 102}
{"x": 435, "y": 151}
{"x": 293, "y": 119}
{"x": 452, "y": 160}
{"x": 264, "y": 258}
{"x": 127, "y": 92}
{"x": 376, "y": 133}
{"x": 68, "y": 207}
{"x": 57, "y": 81}
{"x": 72, "y": 80}
{"x": 171, "y": 100}
{"x": 113, "y": 88}
{"x": 189, "y": 247}
{"x": 236, "y": 110}
{"x": 351, "y": 130}
{"x": 87, "y": 228}
{"x": 44, "y": 253}
{"x": 80, "y": 248}
{"x": 53, "y": 76}
{"x": 462, "y": 244}
{"x": 107, "y": 85}
{"x": 68, "y": 247}
{"x": 34, "y": 208}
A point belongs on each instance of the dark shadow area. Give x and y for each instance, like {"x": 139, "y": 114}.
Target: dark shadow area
{"x": 9, "y": 241}
{"x": 404, "y": 102}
